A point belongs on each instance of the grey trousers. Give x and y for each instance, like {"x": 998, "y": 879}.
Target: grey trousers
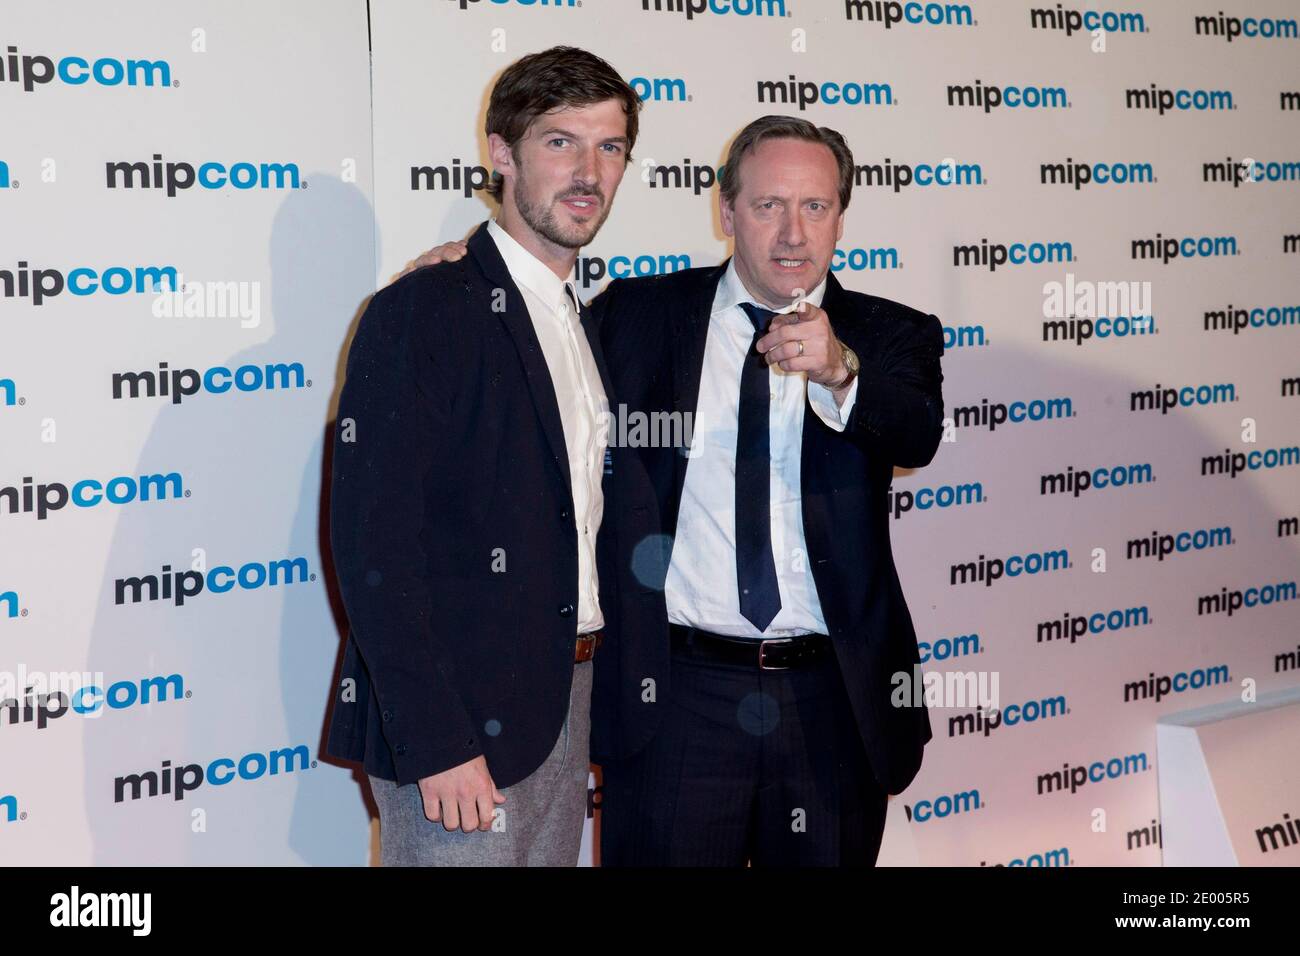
{"x": 540, "y": 824}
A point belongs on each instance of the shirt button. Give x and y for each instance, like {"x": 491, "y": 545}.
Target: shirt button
{"x": 565, "y": 610}
{"x": 564, "y": 515}
{"x": 387, "y": 715}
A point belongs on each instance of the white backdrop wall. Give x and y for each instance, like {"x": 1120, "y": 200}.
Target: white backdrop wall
{"x": 284, "y": 83}
{"x": 288, "y": 83}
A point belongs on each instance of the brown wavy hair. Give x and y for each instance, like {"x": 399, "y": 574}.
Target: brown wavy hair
{"x": 540, "y": 82}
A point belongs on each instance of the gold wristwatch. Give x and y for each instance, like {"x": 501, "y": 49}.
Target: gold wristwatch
{"x": 851, "y": 363}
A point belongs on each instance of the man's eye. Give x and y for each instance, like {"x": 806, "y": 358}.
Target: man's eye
{"x": 558, "y": 139}
{"x": 614, "y": 147}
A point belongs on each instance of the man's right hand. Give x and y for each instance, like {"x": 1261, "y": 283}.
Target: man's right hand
{"x": 462, "y": 797}
{"x": 447, "y": 252}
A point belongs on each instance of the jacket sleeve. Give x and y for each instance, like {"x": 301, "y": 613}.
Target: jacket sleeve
{"x": 898, "y": 413}
{"x": 392, "y": 411}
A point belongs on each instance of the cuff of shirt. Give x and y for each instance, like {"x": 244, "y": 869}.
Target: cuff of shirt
{"x": 822, "y": 400}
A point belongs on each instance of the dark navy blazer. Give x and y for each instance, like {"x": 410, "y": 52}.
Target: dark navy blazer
{"x": 453, "y": 533}
{"x": 653, "y": 332}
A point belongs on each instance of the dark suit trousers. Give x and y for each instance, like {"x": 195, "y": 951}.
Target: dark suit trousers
{"x": 748, "y": 765}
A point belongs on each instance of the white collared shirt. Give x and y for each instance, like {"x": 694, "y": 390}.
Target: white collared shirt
{"x": 700, "y": 588}
{"x": 581, "y": 399}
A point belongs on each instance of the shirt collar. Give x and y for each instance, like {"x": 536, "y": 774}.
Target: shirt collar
{"x": 732, "y": 292}
{"x": 530, "y": 272}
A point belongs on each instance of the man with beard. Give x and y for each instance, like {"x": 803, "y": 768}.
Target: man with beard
{"x": 467, "y": 498}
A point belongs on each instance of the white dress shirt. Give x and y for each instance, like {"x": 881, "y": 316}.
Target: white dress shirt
{"x": 700, "y": 588}
{"x": 581, "y": 399}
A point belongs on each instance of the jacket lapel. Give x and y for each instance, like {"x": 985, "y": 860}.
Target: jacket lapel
{"x": 690, "y": 332}
{"x": 834, "y": 306}
{"x": 816, "y": 436}
{"x": 592, "y": 331}
{"x": 519, "y": 324}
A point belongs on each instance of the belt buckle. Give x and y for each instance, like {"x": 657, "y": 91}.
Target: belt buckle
{"x": 762, "y": 647}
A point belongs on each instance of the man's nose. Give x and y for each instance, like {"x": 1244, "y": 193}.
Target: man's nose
{"x": 792, "y": 233}
{"x": 585, "y": 169}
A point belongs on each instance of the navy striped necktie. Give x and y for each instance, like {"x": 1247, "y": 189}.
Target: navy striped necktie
{"x": 760, "y": 598}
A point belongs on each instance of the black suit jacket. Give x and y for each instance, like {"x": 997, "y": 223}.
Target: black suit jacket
{"x": 653, "y": 332}
{"x": 452, "y": 528}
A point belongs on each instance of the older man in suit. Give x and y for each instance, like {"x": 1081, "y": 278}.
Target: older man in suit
{"x": 774, "y": 740}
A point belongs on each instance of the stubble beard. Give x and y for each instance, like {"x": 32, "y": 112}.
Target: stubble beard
{"x": 542, "y": 220}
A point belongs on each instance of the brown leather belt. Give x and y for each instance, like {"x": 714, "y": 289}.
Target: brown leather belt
{"x": 585, "y": 648}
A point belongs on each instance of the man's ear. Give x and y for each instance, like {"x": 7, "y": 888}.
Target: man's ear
{"x": 839, "y": 229}
{"x": 727, "y": 212}
{"x": 499, "y": 152}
